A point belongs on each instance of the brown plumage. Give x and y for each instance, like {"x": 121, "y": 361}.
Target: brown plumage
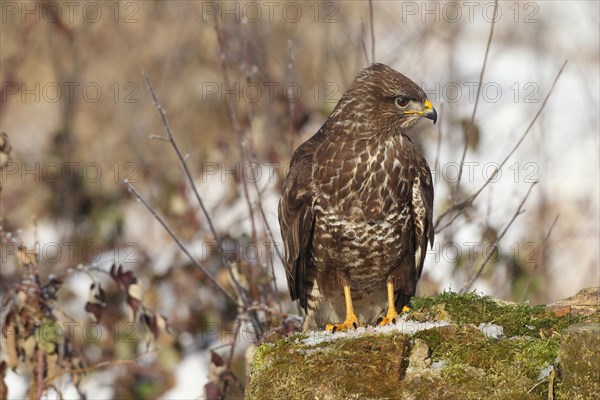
{"x": 357, "y": 204}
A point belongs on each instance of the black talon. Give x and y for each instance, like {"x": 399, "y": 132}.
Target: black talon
{"x": 379, "y": 320}
{"x": 394, "y": 321}
{"x": 334, "y": 329}
{"x": 355, "y": 325}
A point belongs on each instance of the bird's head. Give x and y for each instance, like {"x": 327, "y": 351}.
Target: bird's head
{"x": 381, "y": 99}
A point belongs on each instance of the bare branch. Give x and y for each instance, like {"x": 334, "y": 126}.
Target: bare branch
{"x": 272, "y": 239}
{"x": 519, "y": 211}
{"x": 238, "y": 326}
{"x": 439, "y": 143}
{"x": 250, "y": 158}
{"x": 188, "y": 175}
{"x": 469, "y": 200}
{"x": 270, "y": 232}
{"x": 40, "y": 367}
{"x": 363, "y": 34}
{"x": 180, "y": 156}
{"x": 372, "y": 25}
{"x": 468, "y": 131}
{"x": 158, "y": 137}
{"x": 100, "y": 365}
{"x": 544, "y": 242}
{"x": 291, "y": 104}
{"x": 237, "y": 129}
{"x": 262, "y": 307}
{"x": 152, "y": 211}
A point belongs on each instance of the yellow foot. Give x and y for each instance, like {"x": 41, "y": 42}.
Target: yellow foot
{"x": 349, "y": 323}
{"x": 390, "y": 318}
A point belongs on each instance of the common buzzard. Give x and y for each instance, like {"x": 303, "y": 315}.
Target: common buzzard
{"x": 357, "y": 204}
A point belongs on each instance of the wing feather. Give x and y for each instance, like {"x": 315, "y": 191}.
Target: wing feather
{"x": 422, "y": 206}
{"x": 297, "y": 219}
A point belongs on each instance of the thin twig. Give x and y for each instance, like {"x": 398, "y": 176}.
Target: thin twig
{"x": 190, "y": 180}
{"x": 469, "y": 128}
{"x": 364, "y": 45}
{"x": 270, "y": 259}
{"x": 249, "y": 74}
{"x": 255, "y": 180}
{"x": 180, "y": 156}
{"x": 551, "y": 383}
{"x": 519, "y": 211}
{"x": 438, "y": 149}
{"x": 40, "y": 368}
{"x": 544, "y": 242}
{"x": 291, "y": 104}
{"x": 469, "y": 200}
{"x": 242, "y": 147}
{"x": 237, "y": 129}
{"x": 537, "y": 384}
{"x": 262, "y": 307}
{"x": 270, "y": 232}
{"x": 372, "y": 30}
{"x": 231, "y": 353}
{"x": 138, "y": 196}
{"x": 96, "y": 367}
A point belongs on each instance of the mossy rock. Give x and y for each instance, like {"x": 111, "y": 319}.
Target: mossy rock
{"x": 485, "y": 349}
{"x": 579, "y": 356}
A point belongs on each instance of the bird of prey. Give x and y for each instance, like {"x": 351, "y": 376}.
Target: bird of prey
{"x": 357, "y": 204}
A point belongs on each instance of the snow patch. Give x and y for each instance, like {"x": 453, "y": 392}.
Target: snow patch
{"x": 491, "y": 330}
{"x": 401, "y": 326}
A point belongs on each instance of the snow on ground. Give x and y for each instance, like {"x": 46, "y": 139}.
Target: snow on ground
{"x": 401, "y": 326}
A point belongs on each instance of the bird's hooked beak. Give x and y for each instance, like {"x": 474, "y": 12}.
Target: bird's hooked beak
{"x": 422, "y": 110}
{"x": 429, "y": 112}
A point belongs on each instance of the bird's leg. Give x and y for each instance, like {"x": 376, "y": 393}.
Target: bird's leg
{"x": 351, "y": 318}
{"x": 392, "y": 314}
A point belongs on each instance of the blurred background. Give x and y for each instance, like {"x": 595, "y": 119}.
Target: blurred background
{"x": 242, "y": 85}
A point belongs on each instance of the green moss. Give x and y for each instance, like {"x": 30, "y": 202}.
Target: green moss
{"x": 455, "y": 361}
{"x": 434, "y": 337}
{"x": 515, "y": 319}
{"x": 371, "y": 365}
{"x": 580, "y": 362}
{"x": 476, "y": 366}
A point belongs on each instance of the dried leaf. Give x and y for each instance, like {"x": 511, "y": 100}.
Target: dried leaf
{"x": 134, "y": 296}
{"x": 96, "y": 301}
{"x": 163, "y": 323}
{"x": 95, "y": 311}
{"x": 26, "y": 257}
{"x": 134, "y": 290}
{"x": 5, "y": 149}
{"x": 3, "y": 386}
{"x": 5, "y": 146}
{"x": 101, "y": 295}
{"x": 12, "y": 351}
{"x": 52, "y": 364}
{"x": 27, "y": 347}
{"x": 7, "y": 322}
{"x": 470, "y": 133}
{"x": 150, "y": 321}
{"x": 212, "y": 391}
{"x": 123, "y": 278}
{"x": 216, "y": 359}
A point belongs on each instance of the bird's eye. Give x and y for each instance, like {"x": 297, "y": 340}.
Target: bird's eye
{"x": 401, "y": 102}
